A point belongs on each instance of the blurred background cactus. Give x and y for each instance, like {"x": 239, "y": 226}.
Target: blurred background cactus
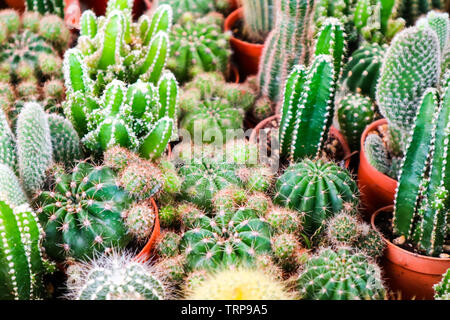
{"x": 259, "y": 18}
{"x": 197, "y": 7}
{"x": 46, "y": 6}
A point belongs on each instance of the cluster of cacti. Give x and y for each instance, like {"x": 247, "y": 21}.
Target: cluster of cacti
{"x": 410, "y": 10}
{"x": 118, "y": 92}
{"x": 198, "y": 45}
{"x": 442, "y": 289}
{"x": 259, "y": 18}
{"x": 46, "y": 6}
{"x": 196, "y": 7}
{"x": 288, "y": 44}
{"x": 340, "y": 275}
{"x": 115, "y": 277}
{"x": 30, "y": 62}
{"x": 211, "y": 106}
{"x": 318, "y": 189}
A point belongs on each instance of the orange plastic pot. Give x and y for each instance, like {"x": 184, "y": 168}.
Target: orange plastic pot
{"x": 412, "y": 274}
{"x": 16, "y": 4}
{"x": 145, "y": 253}
{"x": 247, "y": 54}
{"x": 377, "y": 189}
{"x": 333, "y": 132}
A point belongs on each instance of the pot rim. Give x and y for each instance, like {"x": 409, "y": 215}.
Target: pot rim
{"x": 229, "y": 23}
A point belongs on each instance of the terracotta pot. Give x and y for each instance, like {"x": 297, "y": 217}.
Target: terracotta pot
{"x": 247, "y": 54}
{"x": 234, "y": 4}
{"x": 145, "y": 253}
{"x": 16, "y": 4}
{"x": 377, "y": 189}
{"x": 410, "y": 273}
{"x": 333, "y": 132}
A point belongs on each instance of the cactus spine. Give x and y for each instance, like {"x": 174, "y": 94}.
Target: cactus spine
{"x": 65, "y": 141}
{"x": 46, "y": 6}
{"x": 442, "y": 289}
{"x": 259, "y": 18}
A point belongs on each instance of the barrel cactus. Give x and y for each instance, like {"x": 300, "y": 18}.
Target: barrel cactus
{"x": 340, "y": 275}
{"x": 227, "y": 239}
{"x": 81, "y": 215}
{"x": 300, "y": 184}
{"x": 198, "y": 45}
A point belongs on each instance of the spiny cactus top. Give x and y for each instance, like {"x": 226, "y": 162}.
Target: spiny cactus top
{"x": 340, "y": 275}
{"x": 198, "y": 45}
{"x": 319, "y": 189}
{"x": 81, "y": 215}
{"x": 227, "y": 239}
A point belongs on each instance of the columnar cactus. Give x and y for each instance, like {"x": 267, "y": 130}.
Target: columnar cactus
{"x": 340, "y": 275}
{"x": 442, "y": 289}
{"x": 7, "y": 143}
{"x": 116, "y": 277}
{"x": 440, "y": 23}
{"x": 198, "y": 45}
{"x": 355, "y": 113}
{"x": 226, "y": 239}
{"x": 10, "y": 187}
{"x": 300, "y": 184}
{"x": 46, "y": 6}
{"x": 198, "y": 7}
{"x": 362, "y": 70}
{"x": 240, "y": 284}
{"x": 410, "y": 10}
{"x": 82, "y": 213}
{"x": 403, "y": 80}
{"x": 259, "y": 18}
{"x": 287, "y": 45}
{"x": 65, "y": 141}
{"x": 20, "y": 254}
{"x": 118, "y": 91}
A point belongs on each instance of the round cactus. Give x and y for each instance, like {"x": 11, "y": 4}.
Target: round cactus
{"x": 141, "y": 179}
{"x": 343, "y": 229}
{"x": 285, "y": 249}
{"x": 119, "y": 158}
{"x": 82, "y": 214}
{"x": 198, "y": 45}
{"x": 241, "y": 284}
{"x": 169, "y": 216}
{"x": 259, "y": 202}
{"x": 355, "y": 113}
{"x": 283, "y": 220}
{"x": 140, "y": 219}
{"x": 370, "y": 241}
{"x": 229, "y": 198}
{"x": 116, "y": 277}
{"x": 227, "y": 239}
{"x": 301, "y": 184}
{"x": 173, "y": 268}
{"x": 168, "y": 245}
{"x": 194, "y": 279}
{"x": 189, "y": 214}
{"x": 442, "y": 289}
{"x": 340, "y": 275}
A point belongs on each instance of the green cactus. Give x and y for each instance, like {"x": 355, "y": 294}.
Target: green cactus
{"x": 285, "y": 250}
{"x": 301, "y": 184}
{"x": 229, "y": 198}
{"x": 173, "y": 268}
{"x": 342, "y": 229}
{"x": 198, "y": 7}
{"x": 410, "y": 10}
{"x": 259, "y": 202}
{"x": 377, "y": 154}
{"x": 226, "y": 239}
{"x": 283, "y": 220}
{"x": 65, "y": 141}
{"x": 440, "y": 23}
{"x": 169, "y": 216}
{"x": 7, "y": 143}
{"x": 259, "y": 18}
{"x": 355, "y": 113}
{"x": 140, "y": 179}
{"x": 119, "y": 158}
{"x": 20, "y": 254}
{"x": 46, "y": 6}
{"x": 116, "y": 277}
{"x": 403, "y": 81}
{"x": 370, "y": 242}
{"x": 198, "y": 45}
{"x": 139, "y": 220}
{"x": 288, "y": 44}
{"x": 82, "y": 213}
{"x": 189, "y": 214}
{"x": 10, "y": 187}
{"x": 442, "y": 289}
{"x": 340, "y": 275}
{"x": 168, "y": 245}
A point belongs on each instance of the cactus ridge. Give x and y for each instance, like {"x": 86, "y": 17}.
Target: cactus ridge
{"x": 442, "y": 289}
{"x": 259, "y": 18}
{"x": 46, "y": 6}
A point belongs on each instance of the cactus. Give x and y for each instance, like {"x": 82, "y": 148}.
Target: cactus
{"x": 355, "y": 113}
{"x": 116, "y": 277}
{"x": 377, "y": 154}
{"x": 173, "y": 268}
{"x": 288, "y": 44}
{"x": 117, "y": 90}
{"x": 139, "y": 220}
{"x": 189, "y": 214}
{"x": 240, "y": 284}
{"x": 46, "y": 6}
{"x": 352, "y": 277}
{"x": 440, "y": 23}
{"x": 212, "y": 106}
{"x": 197, "y": 7}
{"x": 370, "y": 242}
{"x": 300, "y": 184}
{"x": 285, "y": 250}
{"x": 198, "y": 45}
{"x": 403, "y": 81}
{"x": 362, "y": 70}
{"x": 7, "y": 143}
{"x": 410, "y": 10}
{"x": 10, "y": 187}
{"x": 227, "y": 239}
{"x": 65, "y": 141}
{"x": 20, "y": 254}
{"x": 168, "y": 245}
{"x": 140, "y": 179}
{"x": 442, "y": 289}
{"x": 259, "y": 18}
{"x": 119, "y": 158}
{"x": 283, "y": 220}
{"x": 259, "y": 202}
{"x": 82, "y": 213}
{"x": 229, "y": 198}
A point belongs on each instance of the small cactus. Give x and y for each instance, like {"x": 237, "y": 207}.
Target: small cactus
{"x": 442, "y": 289}
{"x": 65, "y": 141}
{"x": 259, "y": 202}
{"x": 168, "y": 245}
{"x": 283, "y": 220}
{"x": 285, "y": 249}
{"x": 197, "y": 7}
{"x": 343, "y": 229}
{"x": 139, "y": 220}
{"x": 169, "y": 216}
{"x": 140, "y": 179}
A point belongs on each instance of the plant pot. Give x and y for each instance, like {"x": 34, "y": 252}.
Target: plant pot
{"x": 145, "y": 253}
{"x": 410, "y": 273}
{"x": 246, "y": 54}
{"x": 333, "y": 132}
{"x": 16, "y": 4}
{"x": 377, "y": 189}
{"x": 99, "y": 7}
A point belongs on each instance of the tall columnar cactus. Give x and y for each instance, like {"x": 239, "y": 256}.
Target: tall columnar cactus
{"x": 115, "y": 277}
{"x": 301, "y": 183}
{"x": 421, "y": 202}
{"x": 118, "y": 91}
{"x": 7, "y": 143}
{"x": 410, "y": 10}
{"x": 198, "y": 7}
{"x": 211, "y": 106}
{"x": 307, "y": 109}
{"x": 440, "y": 23}
{"x": 227, "y": 239}
{"x": 46, "y": 6}
{"x": 442, "y": 289}
{"x": 82, "y": 213}
{"x": 362, "y": 70}
{"x": 355, "y": 112}
{"x": 21, "y": 264}
{"x": 259, "y": 18}
{"x": 198, "y": 45}
{"x": 241, "y": 284}
{"x": 411, "y": 65}
{"x": 340, "y": 275}
{"x": 287, "y": 45}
